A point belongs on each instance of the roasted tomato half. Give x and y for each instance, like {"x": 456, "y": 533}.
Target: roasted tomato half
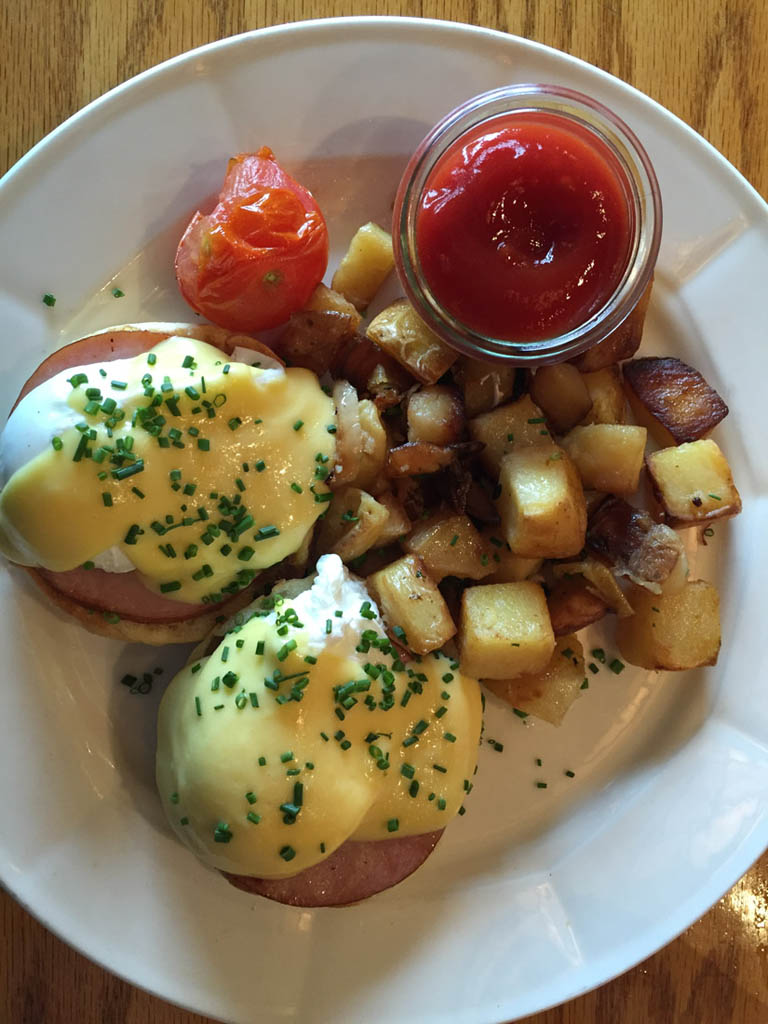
{"x": 258, "y": 256}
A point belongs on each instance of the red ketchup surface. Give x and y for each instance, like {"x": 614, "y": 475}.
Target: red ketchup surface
{"x": 524, "y": 228}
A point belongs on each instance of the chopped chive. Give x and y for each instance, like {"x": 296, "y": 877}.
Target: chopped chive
{"x": 616, "y": 666}
{"x": 222, "y": 833}
{"x": 393, "y": 825}
{"x": 49, "y": 300}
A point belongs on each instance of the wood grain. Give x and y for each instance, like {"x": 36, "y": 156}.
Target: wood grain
{"x": 706, "y": 60}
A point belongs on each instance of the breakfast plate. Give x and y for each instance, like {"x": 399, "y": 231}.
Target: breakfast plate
{"x": 584, "y": 848}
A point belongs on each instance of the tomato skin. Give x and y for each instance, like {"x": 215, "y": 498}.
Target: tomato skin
{"x": 258, "y": 256}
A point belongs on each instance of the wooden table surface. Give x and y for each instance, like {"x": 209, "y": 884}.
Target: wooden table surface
{"x": 706, "y": 60}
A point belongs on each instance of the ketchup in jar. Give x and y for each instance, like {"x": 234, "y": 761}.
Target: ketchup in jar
{"x": 527, "y": 224}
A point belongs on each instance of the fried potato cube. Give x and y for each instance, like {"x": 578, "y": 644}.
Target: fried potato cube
{"x": 398, "y": 524}
{"x": 562, "y": 395}
{"x": 608, "y": 456}
{"x": 549, "y": 693}
{"x": 672, "y": 631}
{"x": 400, "y": 331}
{"x": 353, "y": 523}
{"x": 327, "y": 300}
{"x": 504, "y": 630}
{"x": 693, "y": 483}
{"x": 450, "y": 546}
{"x": 317, "y": 335}
{"x": 541, "y": 503}
{"x": 507, "y": 567}
{"x": 435, "y": 414}
{"x": 484, "y": 385}
{"x": 365, "y": 266}
{"x": 607, "y": 393}
{"x": 672, "y": 399}
{"x": 572, "y": 606}
{"x": 411, "y": 602}
{"x": 621, "y": 343}
{"x": 508, "y": 429}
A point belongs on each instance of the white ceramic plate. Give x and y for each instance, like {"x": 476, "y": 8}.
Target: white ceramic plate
{"x": 535, "y": 895}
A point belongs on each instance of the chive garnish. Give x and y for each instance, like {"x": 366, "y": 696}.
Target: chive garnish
{"x": 222, "y": 833}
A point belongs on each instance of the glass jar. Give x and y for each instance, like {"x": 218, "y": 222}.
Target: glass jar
{"x": 450, "y": 159}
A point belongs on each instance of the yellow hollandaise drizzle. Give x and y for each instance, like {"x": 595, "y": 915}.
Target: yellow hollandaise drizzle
{"x": 274, "y": 750}
{"x": 201, "y": 471}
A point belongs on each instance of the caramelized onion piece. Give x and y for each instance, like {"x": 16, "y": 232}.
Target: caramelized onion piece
{"x": 349, "y": 433}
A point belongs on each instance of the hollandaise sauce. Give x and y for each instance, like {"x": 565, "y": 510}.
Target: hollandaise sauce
{"x": 199, "y": 470}
{"x": 304, "y": 728}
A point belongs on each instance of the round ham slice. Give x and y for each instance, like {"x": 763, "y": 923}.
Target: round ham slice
{"x": 126, "y": 342}
{"x": 353, "y": 872}
{"x": 122, "y": 593}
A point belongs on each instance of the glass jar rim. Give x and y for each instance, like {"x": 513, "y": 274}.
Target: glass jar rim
{"x": 646, "y": 209}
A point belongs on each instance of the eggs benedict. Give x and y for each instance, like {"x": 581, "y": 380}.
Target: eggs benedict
{"x": 302, "y": 730}
{"x": 150, "y": 476}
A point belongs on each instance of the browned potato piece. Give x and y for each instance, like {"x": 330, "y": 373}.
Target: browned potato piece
{"x": 549, "y": 693}
{"x": 608, "y": 456}
{"x": 672, "y": 631}
{"x": 368, "y": 261}
{"x": 398, "y": 523}
{"x": 507, "y": 567}
{"x": 409, "y": 599}
{"x": 326, "y": 300}
{"x": 562, "y": 395}
{"x": 317, "y": 335}
{"x": 399, "y": 330}
{"x": 353, "y": 523}
{"x": 449, "y": 546}
{"x": 505, "y": 630}
{"x": 416, "y": 457}
{"x": 693, "y": 483}
{"x": 541, "y": 504}
{"x": 608, "y": 399}
{"x": 672, "y": 399}
{"x": 371, "y": 370}
{"x": 621, "y": 343}
{"x": 435, "y": 414}
{"x": 508, "y": 429}
{"x": 572, "y": 606}
{"x": 484, "y": 385}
